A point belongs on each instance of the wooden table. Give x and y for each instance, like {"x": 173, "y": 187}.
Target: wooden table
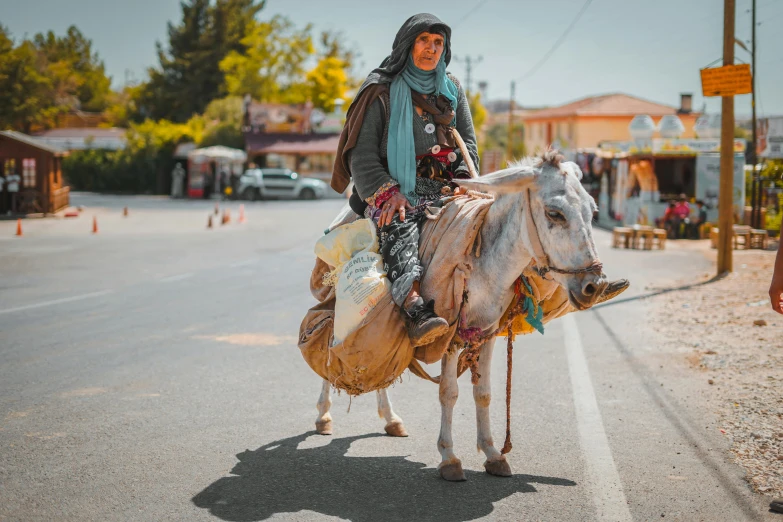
{"x": 759, "y": 239}
{"x": 622, "y": 237}
{"x": 643, "y": 236}
{"x": 741, "y": 231}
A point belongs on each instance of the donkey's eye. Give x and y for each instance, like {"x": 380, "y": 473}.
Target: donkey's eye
{"x": 555, "y": 215}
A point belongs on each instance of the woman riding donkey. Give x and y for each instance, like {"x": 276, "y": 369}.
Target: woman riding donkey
{"x": 399, "y": 146}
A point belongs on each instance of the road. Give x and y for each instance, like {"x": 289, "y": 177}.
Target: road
{"x": 150, "y": 372}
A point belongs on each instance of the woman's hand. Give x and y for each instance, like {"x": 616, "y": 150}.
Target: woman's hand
{"x": 397, "y": 203}
{"x": 460, "y": 191}
{"x": 776, "y": 287}
{"x": 776, "y": 293}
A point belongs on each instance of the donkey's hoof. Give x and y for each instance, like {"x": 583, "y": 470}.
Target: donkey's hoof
{"x": 452, "y": 472}
{"x": 499, "y": 467}
{"x": 396, "y": 429}
{"x": 323, "y": 427}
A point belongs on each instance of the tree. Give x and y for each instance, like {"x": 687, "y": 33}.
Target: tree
{"x": 27, "y": 90}
{"x": 477, "y": 111}
{"x": 273, "y": 63}
{"x": 326, "y": 82}
{"x": 78, "y": 75}
{"x": 497, "y": 138}
{"x": 47, "y": 76}
{"x": 223, "y": 120}
{"x": 189, "y": 75}
{"x": 122, "y": 109}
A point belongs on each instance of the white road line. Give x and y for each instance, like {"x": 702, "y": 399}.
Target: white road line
{"x": 55, "y": 302}
{"x": 179, "y": 277}
{"x": 604, "y": 481}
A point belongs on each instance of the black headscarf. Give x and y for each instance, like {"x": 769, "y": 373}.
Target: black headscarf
{"x": 403, "y": 43}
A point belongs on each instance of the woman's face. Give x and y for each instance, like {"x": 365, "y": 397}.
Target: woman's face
{"x": 427, "y": 50}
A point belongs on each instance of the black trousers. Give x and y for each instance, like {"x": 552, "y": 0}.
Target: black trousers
{"x": 399, "y": 245}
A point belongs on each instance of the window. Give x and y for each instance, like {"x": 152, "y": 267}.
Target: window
{"x": 9, "y": 167}
{"x": 28, "y": 172}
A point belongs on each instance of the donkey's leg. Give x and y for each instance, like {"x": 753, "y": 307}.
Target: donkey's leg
{"x": 394, "y": 426}
{"x": 323, "y": 423}
{"x": 450, "y": 467}
{"x": 496, "y": 463}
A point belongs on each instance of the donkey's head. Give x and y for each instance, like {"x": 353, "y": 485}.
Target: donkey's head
{"x": 547, "y": 203}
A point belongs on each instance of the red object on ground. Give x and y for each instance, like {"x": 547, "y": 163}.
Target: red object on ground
{"x": 241, "y": 213}
{"x": 94, "y": 224}
{"x": 19, "y": 228}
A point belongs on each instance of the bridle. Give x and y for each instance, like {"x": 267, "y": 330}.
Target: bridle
{"x": 539, "y": 255}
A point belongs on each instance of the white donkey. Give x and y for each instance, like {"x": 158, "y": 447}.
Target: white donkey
{"x": 541, "y": 212}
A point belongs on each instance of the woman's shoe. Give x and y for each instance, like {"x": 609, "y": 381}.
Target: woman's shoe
{"x": 424, "y": 325}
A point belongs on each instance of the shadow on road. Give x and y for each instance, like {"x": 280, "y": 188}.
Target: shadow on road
{"x": 279, "y": 478}
{"x": 660, "y": 292}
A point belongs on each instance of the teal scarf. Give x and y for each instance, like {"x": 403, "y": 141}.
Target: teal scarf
{"x": 401, "y": 150}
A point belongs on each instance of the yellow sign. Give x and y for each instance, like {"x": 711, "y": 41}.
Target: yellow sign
{"x": 728, "y": 80}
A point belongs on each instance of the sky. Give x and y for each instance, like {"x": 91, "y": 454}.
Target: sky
{"x": 653, "y": 50}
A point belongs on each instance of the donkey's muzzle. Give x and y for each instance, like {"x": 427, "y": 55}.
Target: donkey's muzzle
{"x": 586, "y": 292}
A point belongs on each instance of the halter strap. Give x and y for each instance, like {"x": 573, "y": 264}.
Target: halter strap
{"x": 539, "y": 255}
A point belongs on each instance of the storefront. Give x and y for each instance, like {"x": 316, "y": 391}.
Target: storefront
{"x": 637, "y": 181}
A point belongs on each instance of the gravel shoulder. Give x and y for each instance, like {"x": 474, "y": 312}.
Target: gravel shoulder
{"x": 729, "y": 336}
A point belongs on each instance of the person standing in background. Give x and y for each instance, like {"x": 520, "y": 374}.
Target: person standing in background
{"x": 12, "y": 179}
{"x": 177, "y": 182}
{"x": 3, "y": 206}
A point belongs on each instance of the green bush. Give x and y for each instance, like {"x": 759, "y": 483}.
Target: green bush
{"x": 141, "y": 168}
{"x": 144, "y": 165}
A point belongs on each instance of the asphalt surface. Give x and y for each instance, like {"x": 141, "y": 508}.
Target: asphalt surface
{"x": 150, "y": 372}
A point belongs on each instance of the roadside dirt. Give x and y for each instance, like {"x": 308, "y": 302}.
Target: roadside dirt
{"x": 734, "y": 341}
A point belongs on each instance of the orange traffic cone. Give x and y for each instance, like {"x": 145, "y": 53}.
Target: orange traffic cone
{"x": 209, "y": 221}
{"x": 94, "y": 224}
{"x": 242, "y": 213}
{"x": 19, "y": 228}
{"x": 226, "y": 217}
{"x": 125, "y": 212}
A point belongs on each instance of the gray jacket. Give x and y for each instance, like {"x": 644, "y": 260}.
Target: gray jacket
{"x": 368, "y": 159}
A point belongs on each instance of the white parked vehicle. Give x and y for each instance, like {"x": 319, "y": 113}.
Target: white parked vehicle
{"x": 278, "y": 183}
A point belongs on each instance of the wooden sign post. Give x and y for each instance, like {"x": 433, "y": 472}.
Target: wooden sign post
{"x": 727, "y": 82}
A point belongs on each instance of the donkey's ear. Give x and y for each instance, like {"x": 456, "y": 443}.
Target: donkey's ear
{"x": 571, "y": 168}
{"x": 513, "y": 179}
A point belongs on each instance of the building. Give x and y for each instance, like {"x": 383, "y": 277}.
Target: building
{"x": 585, "y": 123}
{"x": 298, "y": 137}
{"x": 310, "y": 155}
{"x": 39, "y": 165}
{"x": 82, "y": 138}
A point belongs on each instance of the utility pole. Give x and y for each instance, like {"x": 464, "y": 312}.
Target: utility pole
{"x": 510, "y": 140}
{"x": 469, "y": 70}
{"x": 725, "y": 199}
{"x": 756, "y": 190}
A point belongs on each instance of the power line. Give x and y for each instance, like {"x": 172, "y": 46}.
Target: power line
{"x": 557, "y": 43}
{"x": 467, "y": 15}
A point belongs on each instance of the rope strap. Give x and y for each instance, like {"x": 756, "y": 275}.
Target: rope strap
{"x": 509, "y": 360}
